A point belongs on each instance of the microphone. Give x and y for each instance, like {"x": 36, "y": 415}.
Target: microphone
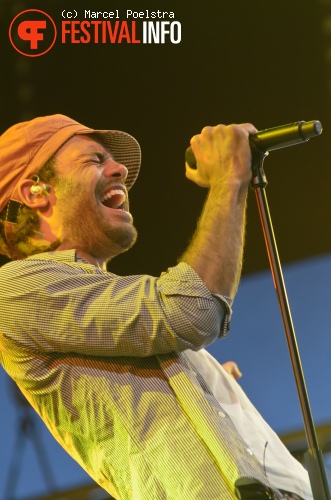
{"x": 275, "y": 138}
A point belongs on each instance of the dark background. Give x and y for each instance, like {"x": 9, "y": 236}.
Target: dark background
{"x": 263, "y": 61}
{"x": 259, "y": 61}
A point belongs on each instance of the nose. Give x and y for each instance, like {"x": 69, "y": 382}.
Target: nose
{"x": 114, "y": 169}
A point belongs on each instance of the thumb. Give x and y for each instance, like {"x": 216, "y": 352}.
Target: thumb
{"x": 193, "y": 175}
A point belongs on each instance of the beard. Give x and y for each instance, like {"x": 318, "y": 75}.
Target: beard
{"x": 86, "y": 225}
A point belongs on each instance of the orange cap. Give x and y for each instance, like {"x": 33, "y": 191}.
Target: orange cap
{"x": 27, "y": 146}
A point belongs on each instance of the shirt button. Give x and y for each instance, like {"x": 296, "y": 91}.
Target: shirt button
{"x": 221, "y": 414}
{"x": 249, "y": 451}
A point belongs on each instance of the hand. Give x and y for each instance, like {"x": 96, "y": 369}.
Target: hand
{"x": 232, "y": 369}
{"x": 223, "y": 155}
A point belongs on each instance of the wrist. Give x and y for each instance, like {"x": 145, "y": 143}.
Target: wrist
{"x": 233, "y": 190}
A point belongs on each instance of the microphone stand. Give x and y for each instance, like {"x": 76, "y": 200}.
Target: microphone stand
{"x": 313, "y": 456}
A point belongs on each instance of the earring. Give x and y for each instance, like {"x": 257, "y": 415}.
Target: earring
{"x": 39, "y": 189}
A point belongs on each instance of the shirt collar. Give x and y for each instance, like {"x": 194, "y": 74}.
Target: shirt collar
{"x": 68, "y": 257}
{"x": 61, "y": 256}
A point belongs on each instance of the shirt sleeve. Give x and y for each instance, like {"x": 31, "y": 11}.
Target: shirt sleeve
{"x": 53, "y": 306}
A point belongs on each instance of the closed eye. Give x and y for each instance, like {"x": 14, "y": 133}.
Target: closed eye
{"x": 100, "y": 157}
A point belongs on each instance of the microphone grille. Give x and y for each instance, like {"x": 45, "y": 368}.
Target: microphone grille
{"x": 190, "y": 158}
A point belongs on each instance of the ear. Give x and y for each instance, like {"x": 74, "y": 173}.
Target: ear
{"x": 30, "y": 198}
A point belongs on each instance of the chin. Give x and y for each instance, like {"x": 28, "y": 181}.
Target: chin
{"x": 116, "y": 241}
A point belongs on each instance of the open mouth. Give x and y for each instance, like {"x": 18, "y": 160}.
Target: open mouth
{"x": 114, "y": 198}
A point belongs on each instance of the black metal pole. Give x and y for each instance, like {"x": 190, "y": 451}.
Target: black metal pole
{"x": 313, "y": 457}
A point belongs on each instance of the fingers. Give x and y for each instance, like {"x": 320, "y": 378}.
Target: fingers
{"x": 205, "y": 135}
{"x": 208, "y": 132}
{"x": 248, "y": 127}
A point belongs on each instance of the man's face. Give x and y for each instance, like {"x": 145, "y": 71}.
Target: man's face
{"x": 92, "y": 199}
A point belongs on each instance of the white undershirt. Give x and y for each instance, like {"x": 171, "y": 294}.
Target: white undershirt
{"x": 282, "y": 470}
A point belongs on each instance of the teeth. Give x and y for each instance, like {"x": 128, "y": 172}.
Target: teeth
{"x": 113, "y": 192}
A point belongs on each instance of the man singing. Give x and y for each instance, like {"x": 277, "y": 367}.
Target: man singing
{"x": 116, "y": 366}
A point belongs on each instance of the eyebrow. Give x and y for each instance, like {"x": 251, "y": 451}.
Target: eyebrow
{"x": 105, "y": 153}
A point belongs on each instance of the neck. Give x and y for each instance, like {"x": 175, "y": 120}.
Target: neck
{"x": 98, "y": 262}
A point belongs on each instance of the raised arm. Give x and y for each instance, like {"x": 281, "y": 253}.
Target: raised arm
{"x": 224, "y": 166}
